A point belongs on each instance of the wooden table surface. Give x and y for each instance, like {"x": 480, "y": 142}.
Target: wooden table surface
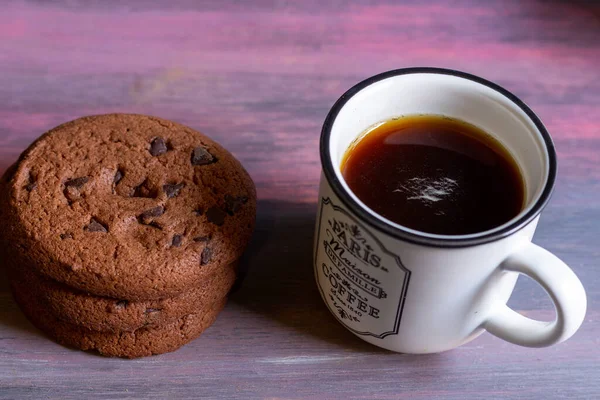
{"x": 260, "y": 78}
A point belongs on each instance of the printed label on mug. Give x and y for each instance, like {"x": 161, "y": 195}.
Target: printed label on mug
{"x": 362, "y": 282}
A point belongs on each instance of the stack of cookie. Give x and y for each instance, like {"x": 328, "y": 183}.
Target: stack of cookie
{"x": 121, "y": 233}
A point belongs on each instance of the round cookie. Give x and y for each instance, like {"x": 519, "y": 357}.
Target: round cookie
{"x": 139, "y": 343}
{"x": 126, "y": 206}
{"x": 105, "y": 314}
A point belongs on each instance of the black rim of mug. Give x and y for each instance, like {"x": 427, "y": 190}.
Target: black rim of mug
{"x": 408, "y": 236}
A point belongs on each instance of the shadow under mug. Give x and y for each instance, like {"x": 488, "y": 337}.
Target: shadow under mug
{"x": 415, "y": 292}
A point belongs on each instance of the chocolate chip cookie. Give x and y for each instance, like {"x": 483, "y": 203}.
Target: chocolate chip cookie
{"x": 106, "y": 314}
{"x": 127, "y": 206}
{"x": 139, "y": 343}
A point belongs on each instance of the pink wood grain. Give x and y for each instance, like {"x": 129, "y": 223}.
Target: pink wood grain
{"x": 260, "y": 77}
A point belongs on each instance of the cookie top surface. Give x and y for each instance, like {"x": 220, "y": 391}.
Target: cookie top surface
{"x": 127, "y": 206}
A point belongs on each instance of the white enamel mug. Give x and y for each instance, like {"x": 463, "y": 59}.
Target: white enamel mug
{"x": 415, "y": 292}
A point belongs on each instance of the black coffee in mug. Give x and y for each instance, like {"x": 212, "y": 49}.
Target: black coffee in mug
{"x": 435, "y": 174}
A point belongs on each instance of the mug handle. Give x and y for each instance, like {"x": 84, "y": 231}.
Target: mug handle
{"x": 563, "y": 286}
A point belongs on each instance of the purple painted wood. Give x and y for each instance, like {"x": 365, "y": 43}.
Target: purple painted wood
{"x": 260, "y": 79}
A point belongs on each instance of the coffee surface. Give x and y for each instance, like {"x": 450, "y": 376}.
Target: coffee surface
{"x": 435, "y": 174}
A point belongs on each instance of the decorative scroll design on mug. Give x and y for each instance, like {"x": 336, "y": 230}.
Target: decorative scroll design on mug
{"x": 362, "y": 282}
{"x": 350, "y": 287}
{"x": 341, "y": 312}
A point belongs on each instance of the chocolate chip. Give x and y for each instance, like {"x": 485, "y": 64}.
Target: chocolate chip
{"x": 121, "y": 304}
{"x": 201, "y": 239}
{"x": 233, "y": 204}
{"x": 205, "y": 256}
{"x": 158, "y": 147}
{"x": 144, "y": 190}
{"x": 64, "y": 236}
{"x": 172, "y": 190}
{"x": 32, "y": 185}
{"x": 77, "y": 183}
{"x": 201, "y": 156}
{"x": 147, "y": 216}
{"x": 216, "y": 216}
{"x": 156, "y": 225}
{"x": 118, "y": 176}
{"x": 177, "y": 239}
{"x": 154, "y": 212}
{"x": 96, "y": 226}
{"x": 73, "y": 187}
{"x": 152, "y": 310}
